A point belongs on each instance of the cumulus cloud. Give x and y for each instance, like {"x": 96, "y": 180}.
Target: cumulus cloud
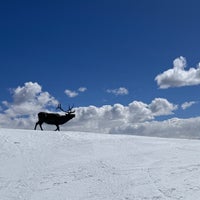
{"x": 160, "y": 106}
{"x": 178, "y": 76}
{"x": 118, "y": 91}
{"x": 28, "y": 92}
{"x": 73, "y": 94}
{"x": 28, "y": 100}
{"x": 105, "y": 118}
{"x": 137, "y": 118}
{"x": 187, "y": 104}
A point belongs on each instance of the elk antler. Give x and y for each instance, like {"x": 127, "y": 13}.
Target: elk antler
{"x": 70, "y": 109}
{"x": 66, "y": 111}
{"x": 59, "y": 107}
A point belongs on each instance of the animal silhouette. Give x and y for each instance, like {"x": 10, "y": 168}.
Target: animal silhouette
{"x": 55, "y": 118}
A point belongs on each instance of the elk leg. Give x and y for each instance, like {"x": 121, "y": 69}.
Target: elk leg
{"x": 58, "y": 128}
{"x": 41, "y": 126}
{"x": 36, "y": 125}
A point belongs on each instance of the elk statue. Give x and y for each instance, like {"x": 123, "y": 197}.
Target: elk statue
{"x": 55, "y": 118}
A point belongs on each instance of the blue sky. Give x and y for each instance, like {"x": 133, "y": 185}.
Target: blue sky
{"x": 92, "y": 50}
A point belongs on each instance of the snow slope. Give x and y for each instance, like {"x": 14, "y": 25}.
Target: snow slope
{"x": 36, "y": 165}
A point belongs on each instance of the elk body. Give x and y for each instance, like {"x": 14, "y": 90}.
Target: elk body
{"x": 55, "y": 118}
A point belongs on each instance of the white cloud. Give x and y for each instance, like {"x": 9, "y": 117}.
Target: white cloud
{"x": 70, "y": 93}
{"x": 105, "y": 118}
{"x": 172, "y": 128}
{"x": 118, "y": 91}
{"x": 160, "y": 106}
{"x": 28, "y": 92}
{"x": 178, "y": 76}
{"x": 136, "y": 118}
{"x": 187, "y": 104}
{"x": 28, "y": 100}
{"x": 139, "y": 112}
{"x": 82, "y": 89}
{"x": 73, "y": 94}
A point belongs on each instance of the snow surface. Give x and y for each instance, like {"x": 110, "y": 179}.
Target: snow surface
{"x": 36, "y": 165}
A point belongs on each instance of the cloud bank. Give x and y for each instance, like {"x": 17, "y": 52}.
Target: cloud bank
{"x": 107, "y": 117}
{"x": 178, "y": 76}
{"x": 172, "y": 128}
{"x": 136, "y": 118}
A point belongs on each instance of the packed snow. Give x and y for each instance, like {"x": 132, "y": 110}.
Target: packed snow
{"x": 38, "y": 165}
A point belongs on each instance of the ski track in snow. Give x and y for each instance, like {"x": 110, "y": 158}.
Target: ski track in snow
{"x": 49, "y": 165}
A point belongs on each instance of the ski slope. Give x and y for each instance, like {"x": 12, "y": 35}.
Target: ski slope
{"x": 36, "y": 165}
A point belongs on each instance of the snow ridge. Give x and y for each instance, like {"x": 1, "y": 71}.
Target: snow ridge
{"x": 49, "y": 165}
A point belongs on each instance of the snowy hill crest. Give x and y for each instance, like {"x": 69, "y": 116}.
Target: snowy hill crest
{"x": 38, "y": 165}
